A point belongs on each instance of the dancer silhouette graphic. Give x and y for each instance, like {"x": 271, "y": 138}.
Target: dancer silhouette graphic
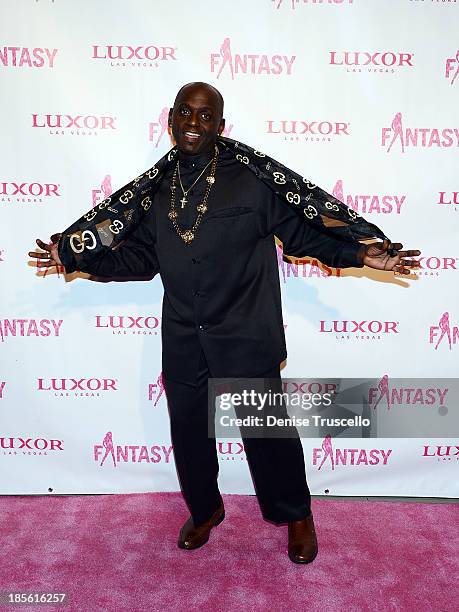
{"x": 327, "y": 447}
{"x": 398, "y": 131}
{"x": 163, "y": 122}
{"x": 383, "y": 387}
{"x": 225, "y": 52}
{"x": 108, "y": 444}
{"x": 445, "y": 329}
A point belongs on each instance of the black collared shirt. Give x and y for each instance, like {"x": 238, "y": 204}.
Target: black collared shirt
{"x": 222, "y": 291}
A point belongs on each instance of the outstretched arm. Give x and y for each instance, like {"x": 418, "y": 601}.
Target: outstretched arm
{"x": 300, "y": 239}
{"x": 135, "y": 256}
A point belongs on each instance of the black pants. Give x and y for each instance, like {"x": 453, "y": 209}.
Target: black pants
{"x": 276, "y": 464}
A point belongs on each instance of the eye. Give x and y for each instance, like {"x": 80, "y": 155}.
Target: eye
{"x": 184, "y": 111}
{"x": 206, "y": 116}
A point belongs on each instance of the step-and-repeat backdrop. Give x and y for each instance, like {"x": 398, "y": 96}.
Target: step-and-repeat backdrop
{"x": 360, "y": 96}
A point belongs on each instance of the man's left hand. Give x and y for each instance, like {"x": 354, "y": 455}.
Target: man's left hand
{"x": 389, "y": 256}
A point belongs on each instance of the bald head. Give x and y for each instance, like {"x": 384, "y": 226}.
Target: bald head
{"x": 200, "y": 85}
{"x": 196, "y": 118}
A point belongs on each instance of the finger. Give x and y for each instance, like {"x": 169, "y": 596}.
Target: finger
{"x": 411, "y": 263}
{"x": 401, "y": 270}
{"x": 43, "y": 245}
{"x": 393, "y": 249}
{"x": 39, "y": 255}
{"x": 55, "y": 238}
{"x": 411, "y": 253}
{"x": 47, "y": 263}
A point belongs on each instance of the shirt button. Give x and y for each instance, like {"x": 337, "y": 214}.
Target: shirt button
{"x": 202, "y": 328}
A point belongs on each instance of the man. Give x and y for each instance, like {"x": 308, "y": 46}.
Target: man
{"x": 210, "y": 235}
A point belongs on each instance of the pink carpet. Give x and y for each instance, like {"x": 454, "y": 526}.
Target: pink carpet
{"x": 118, "y": 552}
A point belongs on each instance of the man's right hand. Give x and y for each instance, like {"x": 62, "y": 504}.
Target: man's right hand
{"x": 49, "y": 256}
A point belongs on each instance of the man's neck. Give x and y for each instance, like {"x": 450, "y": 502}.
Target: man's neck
{"x": 196, "y": 159}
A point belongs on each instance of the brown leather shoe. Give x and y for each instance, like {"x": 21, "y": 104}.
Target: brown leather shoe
{"x": 302, "y": 541}
{"x": 193, "y": 537}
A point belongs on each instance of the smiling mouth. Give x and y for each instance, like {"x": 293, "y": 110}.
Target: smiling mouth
{"x": 191, "y": 135}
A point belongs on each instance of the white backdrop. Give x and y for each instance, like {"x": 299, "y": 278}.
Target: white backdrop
{"x": 360, "y": 96}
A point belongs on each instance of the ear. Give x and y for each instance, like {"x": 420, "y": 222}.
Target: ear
{"x": 221, "y": 126}
{"x": 169, "y": 118}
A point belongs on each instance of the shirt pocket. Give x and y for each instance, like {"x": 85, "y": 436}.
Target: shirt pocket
{"x": 233, "y": 211}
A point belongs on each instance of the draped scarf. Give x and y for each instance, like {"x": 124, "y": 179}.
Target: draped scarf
{"x": 108, "y": 224}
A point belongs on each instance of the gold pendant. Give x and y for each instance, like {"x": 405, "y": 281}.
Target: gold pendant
{"x": 187, "y": 236}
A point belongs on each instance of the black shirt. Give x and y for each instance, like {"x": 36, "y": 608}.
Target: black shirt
{"x": 221, "y": 291}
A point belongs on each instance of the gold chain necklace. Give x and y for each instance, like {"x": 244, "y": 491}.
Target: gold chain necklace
{"x": 188, "y": 235}
{"x": 185, "y": 192}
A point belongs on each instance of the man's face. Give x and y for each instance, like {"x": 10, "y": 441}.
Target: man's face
{"x": 196, "y": 119}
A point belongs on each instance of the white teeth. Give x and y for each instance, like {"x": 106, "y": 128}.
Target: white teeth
{"x": 192, "y": 134}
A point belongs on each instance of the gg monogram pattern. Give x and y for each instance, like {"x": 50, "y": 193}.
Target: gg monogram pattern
{"x": 109, "y": 223}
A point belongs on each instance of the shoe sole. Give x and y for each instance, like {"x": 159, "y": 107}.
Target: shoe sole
{"x": 217, "y": 522}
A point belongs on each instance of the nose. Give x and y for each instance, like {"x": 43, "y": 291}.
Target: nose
{"x": 193, "y": 119}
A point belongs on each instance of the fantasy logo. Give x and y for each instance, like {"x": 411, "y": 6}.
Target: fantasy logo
{"x": 452, "y": 68}
{"x": 294, "y": 3}
{"x": 157, "y": 129}
{"x": 137, "y": 56}
{"x": 156, "y": 389}
{"x": 315, "y": 131}
{"x": 303, "y": 268}
{"x": 374, "y": 61}
{"x": 249, "y": 63}
{"x": 75, "y": 125}
{"x": 105, "y": 190}
{"x": 29, "y": 327}
{"x": 77, "y": 387}
{"x": 27, "y": 193}
{"x": 417, "y": 137}
{"x": 29, "y": 446}
{"x": 359, "y": 330}
{"x": 2, "y": 388}
{"x": 366, "y": 204}
{"x": 405, "y": 396}
{"x": 130, "y": 453}
{"x": 123, "y": 325}
{"x": 21, "y": 57}
{"x": 443, "y": 332}
{"x": 441, "y": 453}
{"x": 348, "y": 456}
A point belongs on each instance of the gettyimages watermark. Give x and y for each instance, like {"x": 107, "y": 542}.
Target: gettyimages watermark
{"x": 350, "y": 408}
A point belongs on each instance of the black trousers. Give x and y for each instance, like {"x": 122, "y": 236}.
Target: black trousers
{"x": 276, "y": 464}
